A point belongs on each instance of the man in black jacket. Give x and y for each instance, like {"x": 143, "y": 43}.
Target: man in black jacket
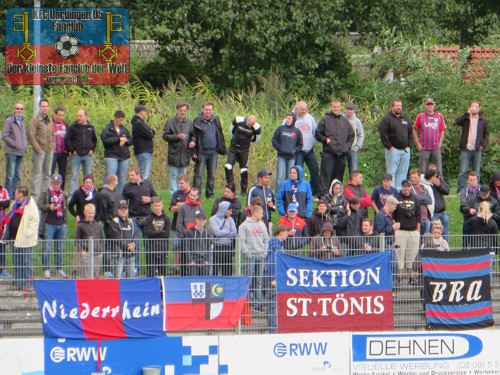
{"x": 396, "y": 134}
{"x": 177, "y": 132}
{"x": 157, "y": 228}
{"x": 337, "y": 136}
{"x": 208, "y": 141}
{"x": 110, "y": 197}
{"x": 116, "y": 140}
{"x": 142, "y": 138}
{"x": 81, "y": 141}
{"x": 473, "y": 140}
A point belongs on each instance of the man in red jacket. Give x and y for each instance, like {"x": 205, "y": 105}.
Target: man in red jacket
{"x": 354, "y": 187}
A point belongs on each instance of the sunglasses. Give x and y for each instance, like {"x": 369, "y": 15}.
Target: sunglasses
{"x": 20, "y": 109}
{"x": 429, "y": 103}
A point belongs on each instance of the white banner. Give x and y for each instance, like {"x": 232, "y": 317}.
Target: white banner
{"x": 21, "y": 356}
{"x": 294, "y": 354}
{"x": 426, "y": 353}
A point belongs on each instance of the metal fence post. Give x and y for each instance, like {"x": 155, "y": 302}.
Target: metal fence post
{"x": 91, "y": 255}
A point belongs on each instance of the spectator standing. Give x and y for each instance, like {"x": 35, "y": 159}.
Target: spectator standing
{"x": 336, "y": 198}
{"x": 176, "y": 201}
{"x": 110, "y": 197}
{"x": 440, "y": 189}
{"x": 495, "y": 185}
{"x": 431, "y": 126}
{"x": 425, "y": 199}
{"x": 318, "y": 218}
{"x": 84, "y": 195}
{"x": 198, "y": 248}
{"x": 21, "y": 231}
{"x": 261, "y": 189}
{"x": 370, "y": 240}
{"x": 121, "y": 232}
{"x": 245, "y": 132}
{"x": 253, "y": 244}
{"x": 349, "y": 223}
{"x": 4, "y": 203}
{"x": 142, "y": 139}
{"x": 116, "y": 140}
{"x": 396, "y": 135}
{"x": 287, "y": 141}
{"x": 81, "y": 141}
{"x": 468, "y": 209}
{"x": 88, "y": 230}
{"x": 355, "y": 187}
{"x": 235, "y": 204}
{"x": 42, "y": 140}
{"x": 407, "y": 214}
{"x": 209, "y": 142}
{"x": 60, "y": 155}
{"x": 223, "y": 232}
{"x": 16, "y": 143}
{"x": 307, "y": 126}
{"x": 296, "y": 190}
{"x": 337, "y": 136}
{"x": 157, "y": 230}
{"x": 484, "y": 228}
{"x": 359, "y": 136}
{"x": 473, "y": 140}
{"x": 53, "y": 206}
{"x": 177, "y": 133}
{"x": 382, "y": 192}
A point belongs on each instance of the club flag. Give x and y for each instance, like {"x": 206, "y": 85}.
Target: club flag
{"x": 457, "y": 289}
{"x": 193, "y": 303}
{"x": 100, "y": 309}
{"x": 344, "y": 294}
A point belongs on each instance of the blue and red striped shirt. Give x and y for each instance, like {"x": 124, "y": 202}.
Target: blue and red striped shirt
{"x": 430, "y": 128}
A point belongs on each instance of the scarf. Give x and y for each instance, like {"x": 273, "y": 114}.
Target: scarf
{"x": 472, "y": 189}
{"x": 89, "y": 193}
{"x": 17, "y": 208}
{"x": 191, "y": 203}
{"x": 58, "y": 199}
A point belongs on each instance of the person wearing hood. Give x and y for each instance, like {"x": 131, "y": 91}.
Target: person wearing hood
{"x": 355, "y": 187}
{"x": 287, "y": 141}
{"x": 298, "y": 234}
{"x": 318, "y": 218}
{"x": 208, "y": 141}
{"x": 222, "y": 229}
{"x": 235, "y": 204}
{"x": 349, "y": 222}
{"x": 116, "y": 140}
{"x": 296, "y": 190}
{"x": 142, "y": 138}
{"x": 337, "y": 136}
{"x": 84, "y": 195}
{"x": 336, "y": 199}
{"x": 495, "y": 185}
{"x": 359, "y": 136}
{"x": 325, "y": 245}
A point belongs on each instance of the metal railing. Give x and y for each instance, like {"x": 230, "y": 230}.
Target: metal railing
{"x": 70, "y": 259}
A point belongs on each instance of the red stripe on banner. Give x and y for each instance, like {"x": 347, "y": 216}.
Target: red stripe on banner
{"x": 459, "y": 314}
{"x": 326, "y": 312}
{"x": 96, "y": 301}
{"x": 455, "y": 267}
{"x": 191, "y": 316}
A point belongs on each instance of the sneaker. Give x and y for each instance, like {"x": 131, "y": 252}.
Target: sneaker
{"x": 5, "y": 275}
{"x": 62, "y": 274}
{"x": 46, "y": 274}
{"x": 108, "y": 274}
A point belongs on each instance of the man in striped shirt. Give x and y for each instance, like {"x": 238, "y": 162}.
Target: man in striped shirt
{"x": 60, "y": 157}
{"x": 431, "y": 126}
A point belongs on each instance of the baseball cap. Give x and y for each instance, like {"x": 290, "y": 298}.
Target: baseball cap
{"x": 293, "y": 207}
{"x": 406, "y": 182}
{"x": 139, "y": 108}
{"x": 56, "y": 178}
{"x": 200, "y": 216}
{"x": 350, "y": 105}
{"x": 429, "y": 173}
{"x": 387, "y": 176}
{"x": 485, "y": 189}
{"x": 263, "y": 173}
{"x": 392, "y": 200}
{"x": 123, "y": 204}
{"x": 429, "y": 100}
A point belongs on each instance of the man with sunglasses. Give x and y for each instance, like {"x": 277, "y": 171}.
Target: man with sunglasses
{"x": 16, "y": 143}
{"x": 431, "y": 126}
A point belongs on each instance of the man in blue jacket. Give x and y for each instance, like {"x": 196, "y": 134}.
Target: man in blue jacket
{"x": 296, "y": 190}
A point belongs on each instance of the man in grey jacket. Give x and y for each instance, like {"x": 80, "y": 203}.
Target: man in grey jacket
{"x": 16, "y": 143}
{"x": 359, "y": 136}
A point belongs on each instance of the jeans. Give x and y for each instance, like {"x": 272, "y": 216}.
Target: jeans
{"x": 138, "y": 230}
{"x": 312, "y": 164}
{"x": 118, "y": 167}
{"x": 445, "y": 221}
{"x": 175, "y": 172}
{"x": 272, "y": 325}
{"x": 76, "y": 161}
{"x": 3, "y": 251}
{"x": 210, "y": 162}
{"x": 352, "y": 161}
{"x": 397, "y": 163}
{"x": 40, "y": 173}
{"x": 60, "y": 160}
{"x": 254, "y": 267}
{"x": 123, "y": 266}
{"x": 425, "y": 226}
{"x": 57, "y": 233}
{"x": 466, "y": 157}
{"x": 144, "y": 161}
{"x": 282, "y": 171}
{"x": 13, "y": 172}
{"x": 22, "y": 257}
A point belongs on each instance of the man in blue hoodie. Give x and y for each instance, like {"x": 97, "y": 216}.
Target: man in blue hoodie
{"x": 296, "y": 190}
{"x": 222, "y": 229}
{"x": 287, "y": 140}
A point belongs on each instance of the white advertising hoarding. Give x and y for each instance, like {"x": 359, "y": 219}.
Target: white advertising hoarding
{"x": 21, "y": 356}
